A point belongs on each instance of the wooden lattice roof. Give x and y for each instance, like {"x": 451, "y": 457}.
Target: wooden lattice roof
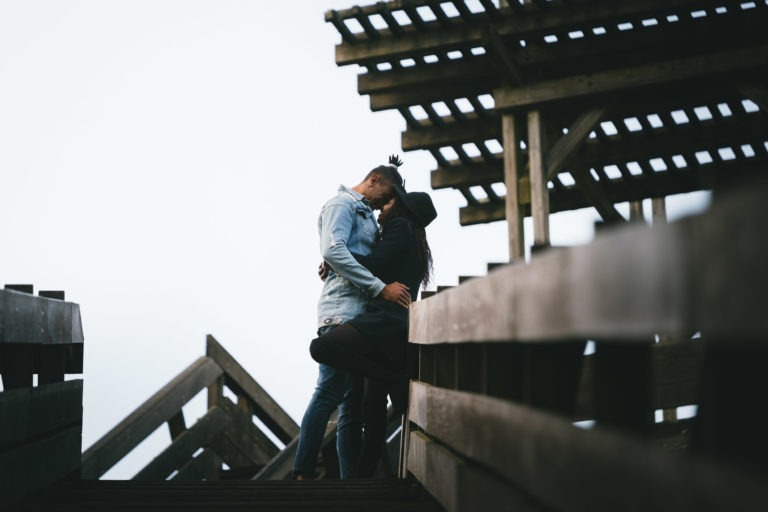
{"x": 642, "y": 98}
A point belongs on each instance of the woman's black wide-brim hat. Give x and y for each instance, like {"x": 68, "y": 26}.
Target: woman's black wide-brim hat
{"x": 419, "y": 204}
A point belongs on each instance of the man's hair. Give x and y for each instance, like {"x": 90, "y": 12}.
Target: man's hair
{"x": 388, "y": 173}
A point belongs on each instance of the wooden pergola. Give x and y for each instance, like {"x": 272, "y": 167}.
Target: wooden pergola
{"x": 536, "y": 107}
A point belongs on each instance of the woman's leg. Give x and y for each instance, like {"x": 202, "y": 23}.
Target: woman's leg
{"x": 375, "y": 426}
{"x": 346, "y": 348}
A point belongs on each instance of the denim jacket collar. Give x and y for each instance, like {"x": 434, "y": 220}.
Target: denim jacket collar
{"x": 357, "y": 196}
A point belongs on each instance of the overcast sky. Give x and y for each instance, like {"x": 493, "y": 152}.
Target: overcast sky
{"x": 163, "y": 162}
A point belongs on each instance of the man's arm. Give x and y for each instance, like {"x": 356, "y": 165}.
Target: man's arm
{"x": 337, "y": 222}
{"x": 387, "y": 251}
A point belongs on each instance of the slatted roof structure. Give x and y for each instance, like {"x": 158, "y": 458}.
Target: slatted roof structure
{"x": 535, "y": 107}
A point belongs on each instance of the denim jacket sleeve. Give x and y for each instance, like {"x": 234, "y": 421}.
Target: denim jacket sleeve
{"x": 337, "y": 222}
{"x": 394, "y": 240}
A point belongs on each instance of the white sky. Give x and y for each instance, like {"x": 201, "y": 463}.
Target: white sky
{"x": 164, "y": 163}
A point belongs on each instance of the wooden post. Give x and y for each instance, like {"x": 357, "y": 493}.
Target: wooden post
{"x": 636, "y": 211}
{"x": 659, "y": 210}
{"x": 539, "y": 190}
{"x": 512, "y": 174}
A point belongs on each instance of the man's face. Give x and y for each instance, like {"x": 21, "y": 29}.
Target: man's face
{"x": 379, "y": 193}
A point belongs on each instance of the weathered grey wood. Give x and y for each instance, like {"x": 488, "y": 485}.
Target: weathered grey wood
{"x": 268, "y": 411}
{"x": 180, "y": 452}
{"x": 517, "y": 190}
{"x": 701, "y": 67}
{"x": 755, "y": 92}
{"x": 630, "y": 283}
{"x": 586, "y": 470}
{"x": 31, "y": 467}
{"x": 177, "y": 425}
{"x": 158, "y": 409}
{"x": 204, "y": 466}
{"x": 458, "y": 485}
{"x": 32, "y": 412}
{"x": 251, "y": 441}
{"x": 51, "y": 362}
{"x": 25, "y": 318}
{"x": 17, "y": 365}
{"x": 539, "y": 190}
{"x": 569, "y": 143}
{"x": 451, "y": 134}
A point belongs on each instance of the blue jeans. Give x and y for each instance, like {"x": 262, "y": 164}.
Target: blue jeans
{"x": 332, "y": 391}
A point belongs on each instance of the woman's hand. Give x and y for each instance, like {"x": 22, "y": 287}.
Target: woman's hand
{"x": 397, "y": 293}
{"x": 322, "y": 271}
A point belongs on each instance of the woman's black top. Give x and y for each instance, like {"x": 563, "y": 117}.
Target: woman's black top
{"x": 394, "y": 258}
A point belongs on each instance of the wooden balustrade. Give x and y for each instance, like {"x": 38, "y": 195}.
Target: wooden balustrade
{"x": 225, "y": 434}
{"x": 503, "y": 375}
{"x": 40, "y": 426}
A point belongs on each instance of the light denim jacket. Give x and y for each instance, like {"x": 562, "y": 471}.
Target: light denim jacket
{"x": 346, "y": 226}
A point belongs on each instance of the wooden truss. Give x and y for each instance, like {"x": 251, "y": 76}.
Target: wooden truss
{"x": 531, "y": 108}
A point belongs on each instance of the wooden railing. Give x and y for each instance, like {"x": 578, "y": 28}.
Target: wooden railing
{"x": 225, "y": 434}
{"x": 677, "y": 315}
{"x": 40, "y": 426}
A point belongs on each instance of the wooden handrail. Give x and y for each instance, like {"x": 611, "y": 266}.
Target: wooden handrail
{"x": 158, "y": 409}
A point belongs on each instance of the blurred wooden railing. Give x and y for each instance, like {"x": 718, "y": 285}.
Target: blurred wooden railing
{"x": 226, "y": 433}
{"x": 676, "y": 315}
{"x": 40, "y": 426}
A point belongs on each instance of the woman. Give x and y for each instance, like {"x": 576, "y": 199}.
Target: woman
{"x": 373, "y": 344}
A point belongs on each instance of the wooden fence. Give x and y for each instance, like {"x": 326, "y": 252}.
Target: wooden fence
{"x": 40, "y": 426}
{"x": 677, "y": 316}
{"x": 227, "y": 433}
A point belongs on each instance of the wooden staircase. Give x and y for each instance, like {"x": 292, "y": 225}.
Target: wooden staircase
{"x": 225, "y": 496}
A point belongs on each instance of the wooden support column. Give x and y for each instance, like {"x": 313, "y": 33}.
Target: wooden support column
{"x": 512, "y": 174}
{"x": 539, "y": 190}
{"x": 659, "y": 210}
{"x": 636, "y": 211}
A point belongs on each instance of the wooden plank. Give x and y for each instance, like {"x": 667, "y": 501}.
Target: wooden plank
{"x": 267, "y": 410}
{"x": 17, "y": 365}
{"x": 756, "y": 92}
{"x": 31, "y": 467}
{"x": 158, "y": 409}
{"x": 627, "y": 284}
{"x": 25, "y": 318}
{"x": 569, "y": 143}
{"x": 517, "y": 189}
{"x": 704, "y": 67}
{"x": 585, "y": 469}
{"x": 458, "y": 485}
{"x": 251, "y": 441}
{"x": 202, "y": 467}
{"x": 32, "y": 412}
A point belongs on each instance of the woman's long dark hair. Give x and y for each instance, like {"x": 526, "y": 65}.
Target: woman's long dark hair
{"x": 422, "y": 247}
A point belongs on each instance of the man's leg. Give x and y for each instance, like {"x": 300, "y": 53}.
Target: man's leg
{"x": 349, "y": 429}
{"x": 332, "y": 386}
{"x": 375, "y": 424}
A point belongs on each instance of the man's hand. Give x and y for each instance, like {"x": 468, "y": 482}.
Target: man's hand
{"x": 322, "y": 271}
{"x": 397, "y": 293}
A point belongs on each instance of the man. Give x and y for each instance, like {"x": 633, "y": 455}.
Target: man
{"x": 346, "y": 226}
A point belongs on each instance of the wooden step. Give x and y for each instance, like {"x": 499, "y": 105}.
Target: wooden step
{"x": 225, "y": 496}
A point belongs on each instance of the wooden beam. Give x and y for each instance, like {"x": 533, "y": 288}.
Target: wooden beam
{"x": 25, "y": 318}
{"x": 756, "y": 92}
{"x": 711, "y": 67}
{"x": 267, "y": 410}
{"x": 456, "y": 133}
{"x": 158, "y": 409}
{"x": 569, "y": 143}
{"x": 630, "y": 283}
{"x": 586, "y": 470}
